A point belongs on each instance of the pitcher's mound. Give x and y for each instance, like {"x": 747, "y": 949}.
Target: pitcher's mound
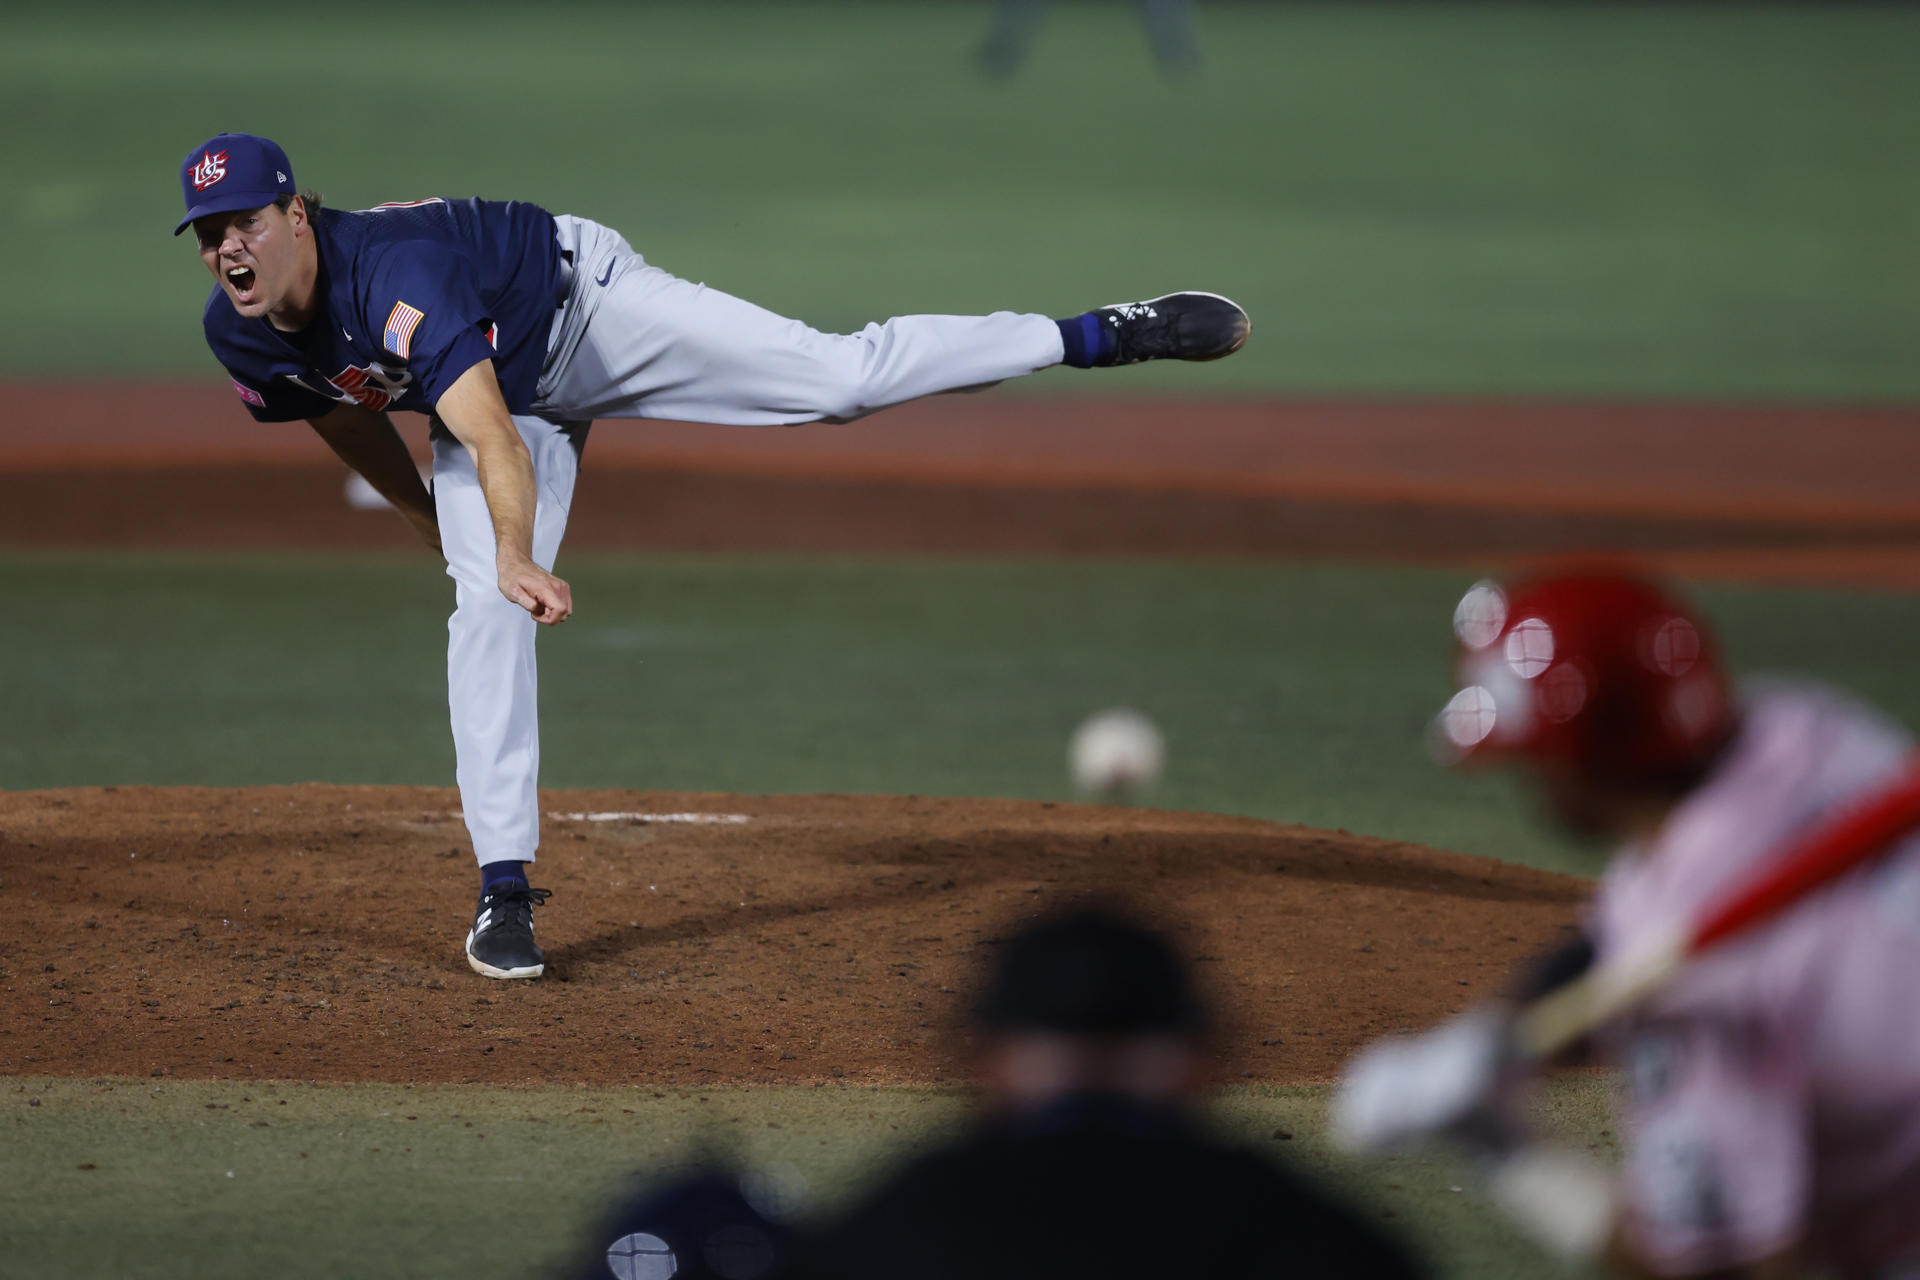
{"x": 315, "y": 933}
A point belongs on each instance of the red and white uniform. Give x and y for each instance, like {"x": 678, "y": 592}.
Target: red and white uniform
{"x": 1773, "y": 1089}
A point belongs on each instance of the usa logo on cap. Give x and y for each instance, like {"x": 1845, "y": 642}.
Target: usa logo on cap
{"x": 232, "y": 171}
{"x": 212, "y": 168}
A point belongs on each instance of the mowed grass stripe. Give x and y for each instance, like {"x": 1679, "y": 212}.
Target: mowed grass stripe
{"x": 1293, "y": 692}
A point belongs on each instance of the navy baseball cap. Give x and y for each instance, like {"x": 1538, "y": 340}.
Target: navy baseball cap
{"x": 233, "y": 171}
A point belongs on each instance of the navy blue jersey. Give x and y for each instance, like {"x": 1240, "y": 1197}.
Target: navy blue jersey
{"x": 411, "y": 297}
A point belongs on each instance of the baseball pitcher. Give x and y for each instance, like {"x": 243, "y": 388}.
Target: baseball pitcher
{"x": 514, "y": 328}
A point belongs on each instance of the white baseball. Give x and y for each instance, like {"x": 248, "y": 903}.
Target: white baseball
{"x": 1116, "y": 754}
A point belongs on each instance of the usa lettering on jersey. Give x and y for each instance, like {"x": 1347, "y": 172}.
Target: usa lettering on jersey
{"x": 372, "y": 387}
{"x": 211, "y": 167}
{"x": 248, "y": 394}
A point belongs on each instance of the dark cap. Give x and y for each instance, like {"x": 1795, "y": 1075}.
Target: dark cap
{"x": 1091, "y": 969}
{"x": 233, "y": 171}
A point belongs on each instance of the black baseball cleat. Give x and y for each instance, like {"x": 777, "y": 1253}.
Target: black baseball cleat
{"x": 500, "y": 944}
{"x": 1175, "y": 326}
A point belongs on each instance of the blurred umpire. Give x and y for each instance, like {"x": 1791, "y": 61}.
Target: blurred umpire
{"x": 1086, "y": 1161}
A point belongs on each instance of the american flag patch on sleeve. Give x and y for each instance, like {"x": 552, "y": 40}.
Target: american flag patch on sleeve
{"x": 400, "y": 326}
{"x": 248, "y": 394}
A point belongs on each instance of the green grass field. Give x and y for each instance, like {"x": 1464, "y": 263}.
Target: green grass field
{"x": 212, "y": 1179}
{"x": 1293, "y": 692}
{"x": 1614, "y": 200}
{"x": 1604, "y": 199}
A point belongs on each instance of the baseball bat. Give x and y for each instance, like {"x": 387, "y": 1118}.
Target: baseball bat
{"x": 1865, "y": 831}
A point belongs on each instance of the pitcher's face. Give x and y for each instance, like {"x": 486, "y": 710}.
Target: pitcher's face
{"x": 254, "y": 254}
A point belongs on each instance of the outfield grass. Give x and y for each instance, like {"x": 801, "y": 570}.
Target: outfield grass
{"x": 1611, "y": 199}
{"x": 144, "y": 1178}
{"x": 1293, "y": 692}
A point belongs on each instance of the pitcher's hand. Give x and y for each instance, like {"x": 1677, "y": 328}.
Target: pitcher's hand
{"x": 547, "y": 598}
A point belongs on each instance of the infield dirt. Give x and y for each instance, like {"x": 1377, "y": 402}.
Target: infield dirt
{"x": 1807, "y": 493}
{"x": 315, "y": 933}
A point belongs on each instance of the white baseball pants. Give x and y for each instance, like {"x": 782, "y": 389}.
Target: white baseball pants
{"x": 632, "y": 341}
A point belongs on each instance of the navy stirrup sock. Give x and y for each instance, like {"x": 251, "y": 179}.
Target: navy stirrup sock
{"x": 501, "y": 876}
{"x": 1087, "y": 341}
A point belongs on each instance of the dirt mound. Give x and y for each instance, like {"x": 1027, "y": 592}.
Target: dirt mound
{"x": 314, "y": 933}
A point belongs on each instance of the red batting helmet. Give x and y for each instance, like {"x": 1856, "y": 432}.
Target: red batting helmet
{"x": 1600, "y": 672}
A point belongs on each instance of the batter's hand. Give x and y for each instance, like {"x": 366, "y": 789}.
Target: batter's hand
{"x": 1451, "y": 1081}
{"x": 547, "y": 598}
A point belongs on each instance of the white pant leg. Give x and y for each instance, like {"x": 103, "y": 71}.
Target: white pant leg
{"x": 492, "y": 682}
{"x": 656, "y": 346}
